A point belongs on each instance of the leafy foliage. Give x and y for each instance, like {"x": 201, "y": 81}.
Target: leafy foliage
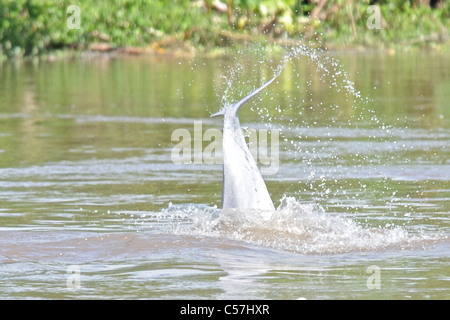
{"x": 35, "y": 26}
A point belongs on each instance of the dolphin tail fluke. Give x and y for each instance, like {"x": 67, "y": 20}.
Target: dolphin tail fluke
{"x": 241, "y": 102}
{"x": 235, "y": 107}
{"x": 219, "y": 113}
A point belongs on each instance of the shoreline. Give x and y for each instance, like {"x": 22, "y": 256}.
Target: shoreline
{"x": 184, "y": 49}
{"x": 217, "y": 27}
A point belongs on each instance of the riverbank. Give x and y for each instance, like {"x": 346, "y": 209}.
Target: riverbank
{"x": 186, "y": 28}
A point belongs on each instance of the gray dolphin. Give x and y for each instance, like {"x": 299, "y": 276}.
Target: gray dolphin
{"x": 243, "y": 186}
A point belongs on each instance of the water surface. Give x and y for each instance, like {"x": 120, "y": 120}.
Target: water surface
{"x": 89, "y": 191}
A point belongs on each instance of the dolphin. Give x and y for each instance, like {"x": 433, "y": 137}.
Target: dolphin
{"x": 243, "y": 186}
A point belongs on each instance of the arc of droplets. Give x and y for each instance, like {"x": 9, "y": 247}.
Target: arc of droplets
{"x": 321, "y": 61}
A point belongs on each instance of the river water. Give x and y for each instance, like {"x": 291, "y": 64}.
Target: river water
{"x": 93, "y": 205}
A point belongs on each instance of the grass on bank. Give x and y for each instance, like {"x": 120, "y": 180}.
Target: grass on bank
{"x": 34, "y": 27}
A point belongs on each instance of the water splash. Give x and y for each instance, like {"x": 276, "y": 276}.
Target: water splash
{"x": 296, "y": 226}
{"x": 248, "y": 68}
{"x": 293, "y": 226}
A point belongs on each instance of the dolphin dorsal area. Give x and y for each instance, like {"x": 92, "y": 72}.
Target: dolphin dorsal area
{"x": 243, "y": 186}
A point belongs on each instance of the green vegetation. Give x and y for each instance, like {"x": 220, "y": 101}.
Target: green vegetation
{"x": 31, "y": 27}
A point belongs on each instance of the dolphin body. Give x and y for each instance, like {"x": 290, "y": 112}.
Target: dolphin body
{"x": 243, "y": 186}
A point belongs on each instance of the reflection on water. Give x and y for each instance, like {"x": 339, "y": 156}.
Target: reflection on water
{"x": 86, "y": 179}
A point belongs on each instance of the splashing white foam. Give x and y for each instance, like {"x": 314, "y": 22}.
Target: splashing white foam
{"x": 296, "y": 227}
{"x": 293, "y": 226}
